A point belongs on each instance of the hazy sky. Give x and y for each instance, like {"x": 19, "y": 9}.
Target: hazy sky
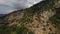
{"x": 7, "y": 6}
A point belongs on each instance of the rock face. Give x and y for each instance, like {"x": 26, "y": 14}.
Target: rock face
{"x": 42, "y": 18}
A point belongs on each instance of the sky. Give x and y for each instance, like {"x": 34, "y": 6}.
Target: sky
{"x": 7, "y": 6}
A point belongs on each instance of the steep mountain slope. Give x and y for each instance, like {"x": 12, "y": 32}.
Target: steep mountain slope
{"x": 42, "y": 18}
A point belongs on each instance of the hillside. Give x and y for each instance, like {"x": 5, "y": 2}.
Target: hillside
{"x": 41, "y": 18}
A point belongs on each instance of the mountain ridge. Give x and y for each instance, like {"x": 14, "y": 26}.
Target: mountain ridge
{"x": 42, "y": 18}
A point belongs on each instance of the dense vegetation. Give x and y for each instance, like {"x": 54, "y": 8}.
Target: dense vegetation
{"x": 56, "y": 18}
{"x": 5, "y": 29}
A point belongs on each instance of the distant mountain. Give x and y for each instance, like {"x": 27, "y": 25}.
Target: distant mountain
{"x": 41, "y": 18}
{"x": 2, "y": 14}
